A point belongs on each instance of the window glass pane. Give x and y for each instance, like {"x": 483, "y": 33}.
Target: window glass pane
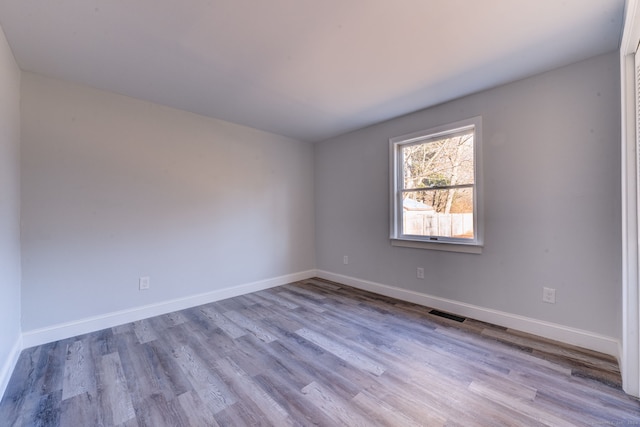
{"x": 438, "y": 213}
{"x": 439, "y": 163}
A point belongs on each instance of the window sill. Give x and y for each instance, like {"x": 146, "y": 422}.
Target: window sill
{"x": 438, "y": 246}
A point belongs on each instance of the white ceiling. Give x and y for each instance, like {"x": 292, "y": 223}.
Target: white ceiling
{"x": 308, "y": 69}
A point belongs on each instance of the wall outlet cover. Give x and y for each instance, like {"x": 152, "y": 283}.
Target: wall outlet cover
{"x": 144, "y": 283}
{"x": 549, "y": 295}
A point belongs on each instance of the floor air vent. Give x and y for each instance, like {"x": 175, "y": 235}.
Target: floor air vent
{"x": 448, "y": 315}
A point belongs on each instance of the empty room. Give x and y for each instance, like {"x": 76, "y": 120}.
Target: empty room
{"x": 359, "y": 213}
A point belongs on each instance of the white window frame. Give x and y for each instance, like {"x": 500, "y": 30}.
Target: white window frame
{"x": 396, "y": 214}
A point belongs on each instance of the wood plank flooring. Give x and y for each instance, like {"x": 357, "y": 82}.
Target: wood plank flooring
{"x": 313, "y": 353}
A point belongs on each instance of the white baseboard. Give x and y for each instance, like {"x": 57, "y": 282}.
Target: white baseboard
{"x": 554, "y": 331}
{"x": 96, "y": 323}
{"x": 569, "y": 335}
{"x": 6, "y": 369}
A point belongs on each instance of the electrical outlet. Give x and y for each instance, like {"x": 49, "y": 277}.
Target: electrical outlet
{"x": 549, "y": 295}
{"x": 144, "y": 283}
{"x": 345, "y": 260}
{"x": 420, "y": 273}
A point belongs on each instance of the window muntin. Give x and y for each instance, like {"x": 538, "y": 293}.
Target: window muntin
{"x": 435, "y": 185}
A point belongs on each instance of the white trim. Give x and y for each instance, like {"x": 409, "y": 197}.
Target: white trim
{"x": 441, "y": 246}
{"x": 395, "y": 198}
{"x": 554, "y": 331}
{"x": 9, "y": 365}
{"x": 630, "y": 353}
{"x": 96, "y": 323}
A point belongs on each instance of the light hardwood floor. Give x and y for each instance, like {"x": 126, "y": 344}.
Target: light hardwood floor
{"x": 313, "y": 353}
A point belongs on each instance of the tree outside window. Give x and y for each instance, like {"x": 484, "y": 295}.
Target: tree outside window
{"x": 434, "y": 184}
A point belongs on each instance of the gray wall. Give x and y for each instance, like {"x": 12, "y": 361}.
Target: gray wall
{"x": 9, "y": 206}
{"x": 552, "y": 201}
{"x": 116, "y": 188}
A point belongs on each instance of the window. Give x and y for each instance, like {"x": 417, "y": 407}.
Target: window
{"x": 435, "y": 188}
